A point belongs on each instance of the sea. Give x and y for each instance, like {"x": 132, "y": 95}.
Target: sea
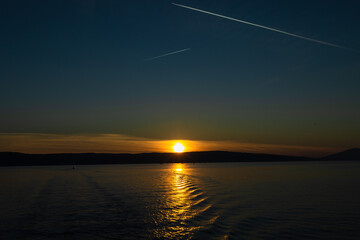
{"x": 277, "y": 200}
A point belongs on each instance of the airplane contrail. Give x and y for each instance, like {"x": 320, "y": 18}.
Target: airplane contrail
{"x": 265, "y": 27}
{"x": 167, "y": 54}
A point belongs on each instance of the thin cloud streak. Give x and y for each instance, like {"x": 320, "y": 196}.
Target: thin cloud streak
{"x": 167, "y": 54}
{"x": 118, "y": 143}
{"x": 265, "y": 27}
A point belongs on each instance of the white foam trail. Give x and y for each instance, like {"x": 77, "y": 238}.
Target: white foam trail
{"x": 261, "y": 26}
{"x": 167, "y": 54}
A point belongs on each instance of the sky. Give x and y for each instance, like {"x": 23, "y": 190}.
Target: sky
{"x": 115, "y": 73}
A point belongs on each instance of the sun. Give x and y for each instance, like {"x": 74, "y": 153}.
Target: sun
{"x": 178, "y": 147}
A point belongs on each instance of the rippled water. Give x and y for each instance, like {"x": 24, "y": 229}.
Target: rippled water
{"x": 182, "y": 201}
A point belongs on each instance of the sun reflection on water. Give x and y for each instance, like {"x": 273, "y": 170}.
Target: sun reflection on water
{"x": 178, "y": 196}
{"x": 179, "y": 205}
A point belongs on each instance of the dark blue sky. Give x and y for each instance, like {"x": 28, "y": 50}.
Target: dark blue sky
{"x": 79, "y": 67}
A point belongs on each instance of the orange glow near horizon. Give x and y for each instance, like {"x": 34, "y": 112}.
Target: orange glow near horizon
{"x": 179, "y": 147}
{"x": 38, "y": 143}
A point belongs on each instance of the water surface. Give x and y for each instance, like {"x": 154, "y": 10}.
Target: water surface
{"x": 317, "y": 200}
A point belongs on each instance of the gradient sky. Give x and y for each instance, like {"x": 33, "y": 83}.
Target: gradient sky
{"x": 81, "y": 67}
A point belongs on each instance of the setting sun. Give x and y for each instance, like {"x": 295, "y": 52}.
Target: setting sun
{"x": 178, "y": 148}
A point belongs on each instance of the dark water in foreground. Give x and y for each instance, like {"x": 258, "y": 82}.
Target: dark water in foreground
{"x": 182, "y": 201}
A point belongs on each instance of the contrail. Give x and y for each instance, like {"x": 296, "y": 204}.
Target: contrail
{"x": 167, "y": 54}
{"x": 261, "y": 26}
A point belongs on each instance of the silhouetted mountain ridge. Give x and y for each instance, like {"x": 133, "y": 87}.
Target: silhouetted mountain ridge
{"x": 22, "y": 159}
{"x": 350, "y": 154}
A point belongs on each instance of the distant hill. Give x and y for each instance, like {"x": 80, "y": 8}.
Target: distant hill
{"x": 21, "y": 159}
{"x": 350, "y": 154}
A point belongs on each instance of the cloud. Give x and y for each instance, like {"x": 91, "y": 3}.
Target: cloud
{"x": 117, "y": 143}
